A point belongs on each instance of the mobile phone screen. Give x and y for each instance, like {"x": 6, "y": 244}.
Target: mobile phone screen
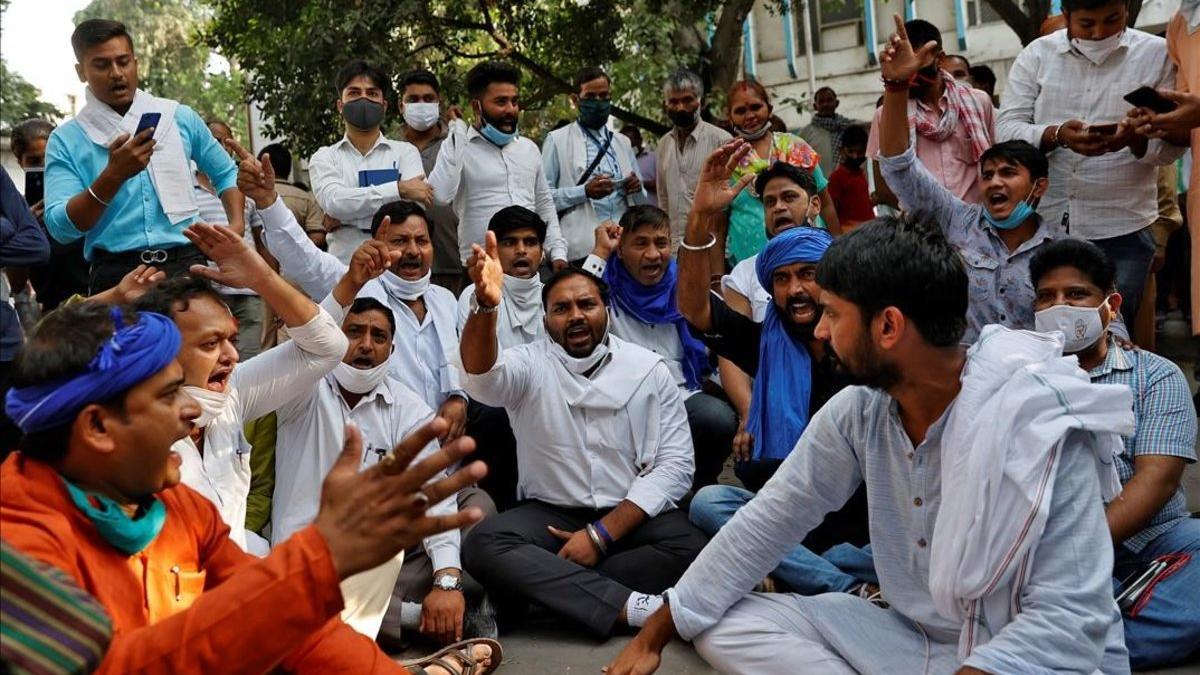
{"x": 35, "y": 185}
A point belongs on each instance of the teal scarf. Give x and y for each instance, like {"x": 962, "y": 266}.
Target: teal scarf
{"x": 127, "y": 535}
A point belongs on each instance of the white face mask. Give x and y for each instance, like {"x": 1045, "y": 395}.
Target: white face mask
{"x": 1081, "y": 326}
{"x": 398, "y": 287}
{"x": 582, "y": 365}
{"x": 212, "y": 403}
{"x": 359, "y": 381}
{"x": 421, "y": 116}
{"x": 1097, "y": 51}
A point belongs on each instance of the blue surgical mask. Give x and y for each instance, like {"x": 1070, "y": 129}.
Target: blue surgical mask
{"x": 1023, "y": 211}
{"x": 495, "y": 135}
{"x": 127, "y": 535}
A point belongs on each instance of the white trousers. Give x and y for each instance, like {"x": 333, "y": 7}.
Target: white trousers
{"x": 366, "y": 596}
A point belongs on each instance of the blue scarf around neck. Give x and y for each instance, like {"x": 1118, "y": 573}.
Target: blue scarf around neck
{"x": 127, "y": 535}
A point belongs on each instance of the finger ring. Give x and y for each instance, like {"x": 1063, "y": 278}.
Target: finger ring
{"x": 421, "y": 500}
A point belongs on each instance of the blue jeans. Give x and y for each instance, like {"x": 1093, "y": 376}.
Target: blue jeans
{"x": 1167, "y": 629}
{"x": 1132, "y": 255}
{"x": 836, "y": 571}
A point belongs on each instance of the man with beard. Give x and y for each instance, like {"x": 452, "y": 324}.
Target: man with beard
{"x": 984, "y": 473}
{"x": 95, "y": 493}
{"x": 216, "y": 457}
{"x": 592, "y": 172}
{"x": 359, "y": 390}
{"x": 603, "y": 453}
{"x": 954, "y": 123}
{"x": 642, "y": 284}
{"x": 485, "y": 167}
{"x": 364, "y": 170}
{"x": 426, "y": 340}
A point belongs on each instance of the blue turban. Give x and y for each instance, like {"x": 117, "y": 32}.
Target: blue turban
{"x": 783, "y": 384}
{"x": 129, "y": 357}
{"x": 654, "y": 305}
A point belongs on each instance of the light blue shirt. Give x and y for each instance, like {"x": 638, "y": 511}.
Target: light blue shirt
{"x": 135, "y": 219}
{"x": 611, "y": 207}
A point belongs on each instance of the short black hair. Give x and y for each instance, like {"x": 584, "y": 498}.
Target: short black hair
{"x": 1080, "y": 254}
{"x": 488, "y": 72}
{"x": 589, "y": 73}
{"x": 176, "y": 294}
{"x": 399, "y": 212}
{"x": 366, "y": 304}
{"x": 784, "y": 170}
{"x": 516, "y": 217}
{"x": 26, "y": 132}
{"x": 921, "y": 31}
{"x": 1069, "y": 6}
{"x": 1021, "y": 153}
{"x": 61, "y": 346}
{"x": 854, "y": 136}
{"x": 822, "y": 90}
{"x": 360, "y": 68}
{"x": 641, "y": 215}
{"x": 983, "y": 75}
{"x": 420, "y": 76}
{"x": 568, "y": 272}
{"x": 281, "y": 159}
{"x": 906, "y": 263}
{"x": 960, "y": 57}
{"x": 94, "y": 32}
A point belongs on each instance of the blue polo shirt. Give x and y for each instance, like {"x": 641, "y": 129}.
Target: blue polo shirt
{"x": 135, "y": 219}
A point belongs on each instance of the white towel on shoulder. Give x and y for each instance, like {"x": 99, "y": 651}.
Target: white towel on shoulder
{"x": 170, "y": 171}
{"x": 1001, "y": 448}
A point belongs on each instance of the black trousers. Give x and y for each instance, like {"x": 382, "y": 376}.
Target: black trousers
{"x": 109, "y": 268}
{"x": 516, "y": 558}
{"x": 496, "y": 447}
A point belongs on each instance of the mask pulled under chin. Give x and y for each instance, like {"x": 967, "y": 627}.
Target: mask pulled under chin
{"x": 1097, "y": 51}
{"x": 753, "y": 135}
{"x": 399, "y": 287}
{"x": 1081, "y": 326}
{"x": 212, "y": 403}
{"x": 359, "y": 381}
{"x": 584, "y": 364}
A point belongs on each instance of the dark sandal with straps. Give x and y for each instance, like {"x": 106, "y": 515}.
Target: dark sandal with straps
{"x": 457, "y": 658}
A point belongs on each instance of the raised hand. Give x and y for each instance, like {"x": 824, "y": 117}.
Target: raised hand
{"x": 713, "y": 191}
{"x": 367, "y": 517}
{"x": 256, "y": 177}
{"x": 898, "y": 61}
{"x": 135, "y": 284}
{"x": 608, "y": 236}
{"x": 237, "y": 265}
{"x": 484, "y": 269}
{"x": 371, "y": 260}
{"x": 128, "y": 156}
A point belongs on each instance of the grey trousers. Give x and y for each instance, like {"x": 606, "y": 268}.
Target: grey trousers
{"x": 250, "y": 315}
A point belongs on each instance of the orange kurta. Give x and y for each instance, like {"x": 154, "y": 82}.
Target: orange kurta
{"x": 1184, "y": 48}
{"x": 192, "y": 601}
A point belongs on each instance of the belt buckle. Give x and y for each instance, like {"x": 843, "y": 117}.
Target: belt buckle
{"x": 153, "y": 256}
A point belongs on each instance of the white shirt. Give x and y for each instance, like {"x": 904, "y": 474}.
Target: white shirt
{"x": 479, "y": 178}
{"x": 311, "y": 432}
{"x": 425, "y": 351}
{"x": 744, "y": 280}
{"x": 257, "y": 387}
{"x": 334, "y": 171}
{"x": 1050, "y": 83}
{"x": 593, "y": 457}
{"x": 507, "y": 333}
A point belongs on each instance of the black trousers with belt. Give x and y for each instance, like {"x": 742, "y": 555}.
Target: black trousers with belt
{"x": 108, "y": 268}
{"x": 516, "y": 558}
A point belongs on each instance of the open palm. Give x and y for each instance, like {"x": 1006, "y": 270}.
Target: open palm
{"x": 714, "y": 191}
{"x": 237, "y": 265}
{"x": 485, "y": 270}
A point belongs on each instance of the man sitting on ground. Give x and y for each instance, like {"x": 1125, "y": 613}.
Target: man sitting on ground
{"x": 603, "y": 453}
{"x": 987, "y": 529}
{"x": 1149, "y": 523}
{"x": 643, "y": 311}
{"x": 95, "y": 492}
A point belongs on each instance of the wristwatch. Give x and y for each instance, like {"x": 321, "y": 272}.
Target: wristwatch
{"x": 448, "y": 582}
{"x": 477, "y": 308}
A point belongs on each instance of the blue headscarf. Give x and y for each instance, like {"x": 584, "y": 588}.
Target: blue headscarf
{"x": 654, "y": 305}
{"x": 783, "y": 384}
{"x": 129, "y": 357}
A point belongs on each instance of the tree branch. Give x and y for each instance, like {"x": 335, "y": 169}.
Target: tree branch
{"x": 1017, "y": 20}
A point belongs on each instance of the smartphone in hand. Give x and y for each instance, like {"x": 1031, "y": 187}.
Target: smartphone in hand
{"x": 35, "y": 185}
{"x": 1102, "y": 129}
{"x": 1148, "y": 97}
{"x": 147, "y": 121}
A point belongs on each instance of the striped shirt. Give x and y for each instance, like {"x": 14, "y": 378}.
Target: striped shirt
{"x": 47, "y": 623}
{"x": 1165, "y": 424}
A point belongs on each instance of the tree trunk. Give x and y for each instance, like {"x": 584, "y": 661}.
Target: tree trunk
{"x": 722, "y": 62}
{"x": 1026, "y": 23}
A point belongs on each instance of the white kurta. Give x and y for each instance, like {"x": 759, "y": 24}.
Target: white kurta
{"x": 744, "y": 280}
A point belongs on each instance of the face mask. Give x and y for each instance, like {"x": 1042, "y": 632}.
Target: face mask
{"x": 397, "y": 287}
{"x": 1023, "y": 211}
{"x": 421, "y": 116}
{"x": 753, "y": 135}
{"x": 1097, "y": 51}
{"x": 1081, "y": 326}
{"x": 363, "y": 113}
{"x": 127, "y": 535}
{"x": 683, "y": 119}
{"x": 496, "y": 136}
{"x": 212, "y": 403}
{"x": 854, "y": 162}
{"x": 359, "y": 381}
{"x": 580, "y": 366}
{"x": 593, "y": 113}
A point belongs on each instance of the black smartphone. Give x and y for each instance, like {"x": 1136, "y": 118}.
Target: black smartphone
{"x": 35, "y": 185}
{"x": 1148, "y": 97}
{"x": 1102, "y": 129}
{"x": 147, "y": 121}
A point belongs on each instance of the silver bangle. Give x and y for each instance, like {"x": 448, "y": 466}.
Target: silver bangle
{"x": 712, "y": 241}
{"x": 596, "y": 540}
{"x": 96, "y": 196}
